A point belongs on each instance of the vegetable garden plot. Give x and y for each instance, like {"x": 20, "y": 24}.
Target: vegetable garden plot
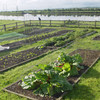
{"x": 10, "y": 61}
{"x": 11, "y": 36}
{"x": 28, "y": 30}
{"x": 89, "y": 59}
{"x": 13, "y": 60}
{"x": 35, "y": 39}
{"x": 97, "y": 37}
{"x": 38, "y": 31}
{"x": 89, "y": 34}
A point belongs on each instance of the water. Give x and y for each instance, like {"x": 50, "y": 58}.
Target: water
{"x": 52, "y": 17}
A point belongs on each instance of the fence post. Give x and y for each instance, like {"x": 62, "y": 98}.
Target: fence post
{"x": 50, "y": 22}
{"x": 5, "y": 27}
{"x": 16, "y": 25}
{"x": 64, "y": 23}
{"x": 95, "y": 24}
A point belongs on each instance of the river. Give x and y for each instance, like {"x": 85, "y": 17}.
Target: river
{"x": 52, "y": 17}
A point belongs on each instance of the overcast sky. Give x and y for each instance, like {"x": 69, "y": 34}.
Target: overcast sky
{"x": 45, "y": 4}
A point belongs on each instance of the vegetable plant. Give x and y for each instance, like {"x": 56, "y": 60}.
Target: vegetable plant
{"x": 48, "y": 81}
{"x": 51, "y": 79}
{"x": 69, "y": 64}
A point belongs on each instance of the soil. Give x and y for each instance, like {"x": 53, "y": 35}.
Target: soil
{"x": 33, "y": 40}
{"x": 89, "y": 57}
{"x": 12, "y": 60}
{"x": 97, "y": 37}
{"x": 21, "y": 57}
{"x": 35, "y": 31}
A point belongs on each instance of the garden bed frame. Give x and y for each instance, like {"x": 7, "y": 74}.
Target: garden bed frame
{"x": 89, "y": 65}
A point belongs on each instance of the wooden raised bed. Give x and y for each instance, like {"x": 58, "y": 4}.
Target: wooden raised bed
{"x": 90, "y": 57}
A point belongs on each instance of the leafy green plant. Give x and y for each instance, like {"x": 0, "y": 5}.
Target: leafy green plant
{"x": 49, "y": 43}
{"x": 59, "y": 43}
{"x": 51, "y": 79}
{"x": 69, "y": 64}
{"x": 46, "y": 82}
{"x": 41, "y": 47}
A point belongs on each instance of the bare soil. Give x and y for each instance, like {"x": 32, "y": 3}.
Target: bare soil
{"x": 35, "y": 31}
{"x": 21, "y": 57}
{"x": 97, "y": 37}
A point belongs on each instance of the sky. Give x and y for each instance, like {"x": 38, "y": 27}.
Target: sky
{"x": 6, "y": 5}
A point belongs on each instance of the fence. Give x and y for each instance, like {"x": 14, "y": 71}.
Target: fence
{"x": 51, "y": 23}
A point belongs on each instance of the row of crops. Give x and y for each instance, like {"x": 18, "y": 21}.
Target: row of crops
{"x": 59, "y": 39}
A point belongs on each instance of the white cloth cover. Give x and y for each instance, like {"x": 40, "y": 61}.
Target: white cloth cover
{"x": 3, "y": 48}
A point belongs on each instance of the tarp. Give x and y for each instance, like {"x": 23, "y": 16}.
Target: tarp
{"x": 3, "y": 48}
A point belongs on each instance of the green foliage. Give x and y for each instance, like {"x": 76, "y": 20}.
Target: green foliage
{"x": 51, "y": 79}
{"x": 69, "y": 64}
{"x": 60, "y": 43}
{"x": 49, "y": 43}
{"x": 41, "y": 47}
{"x": 58, "y": 38}
{"x": 48, "y": 80}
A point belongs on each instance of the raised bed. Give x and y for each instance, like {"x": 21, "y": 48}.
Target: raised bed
{"x": 32, "y": 40}
{"x": 10, "y": 61}
{"x": 90, "y": 57}
{"x": 37, "y": 31}
{"x": 26, "y": 31}
{"x": 89, "y": 34}
{"x": 97, "y": 37}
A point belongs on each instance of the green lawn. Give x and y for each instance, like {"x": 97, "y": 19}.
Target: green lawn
{"x": 87, "y": 89}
